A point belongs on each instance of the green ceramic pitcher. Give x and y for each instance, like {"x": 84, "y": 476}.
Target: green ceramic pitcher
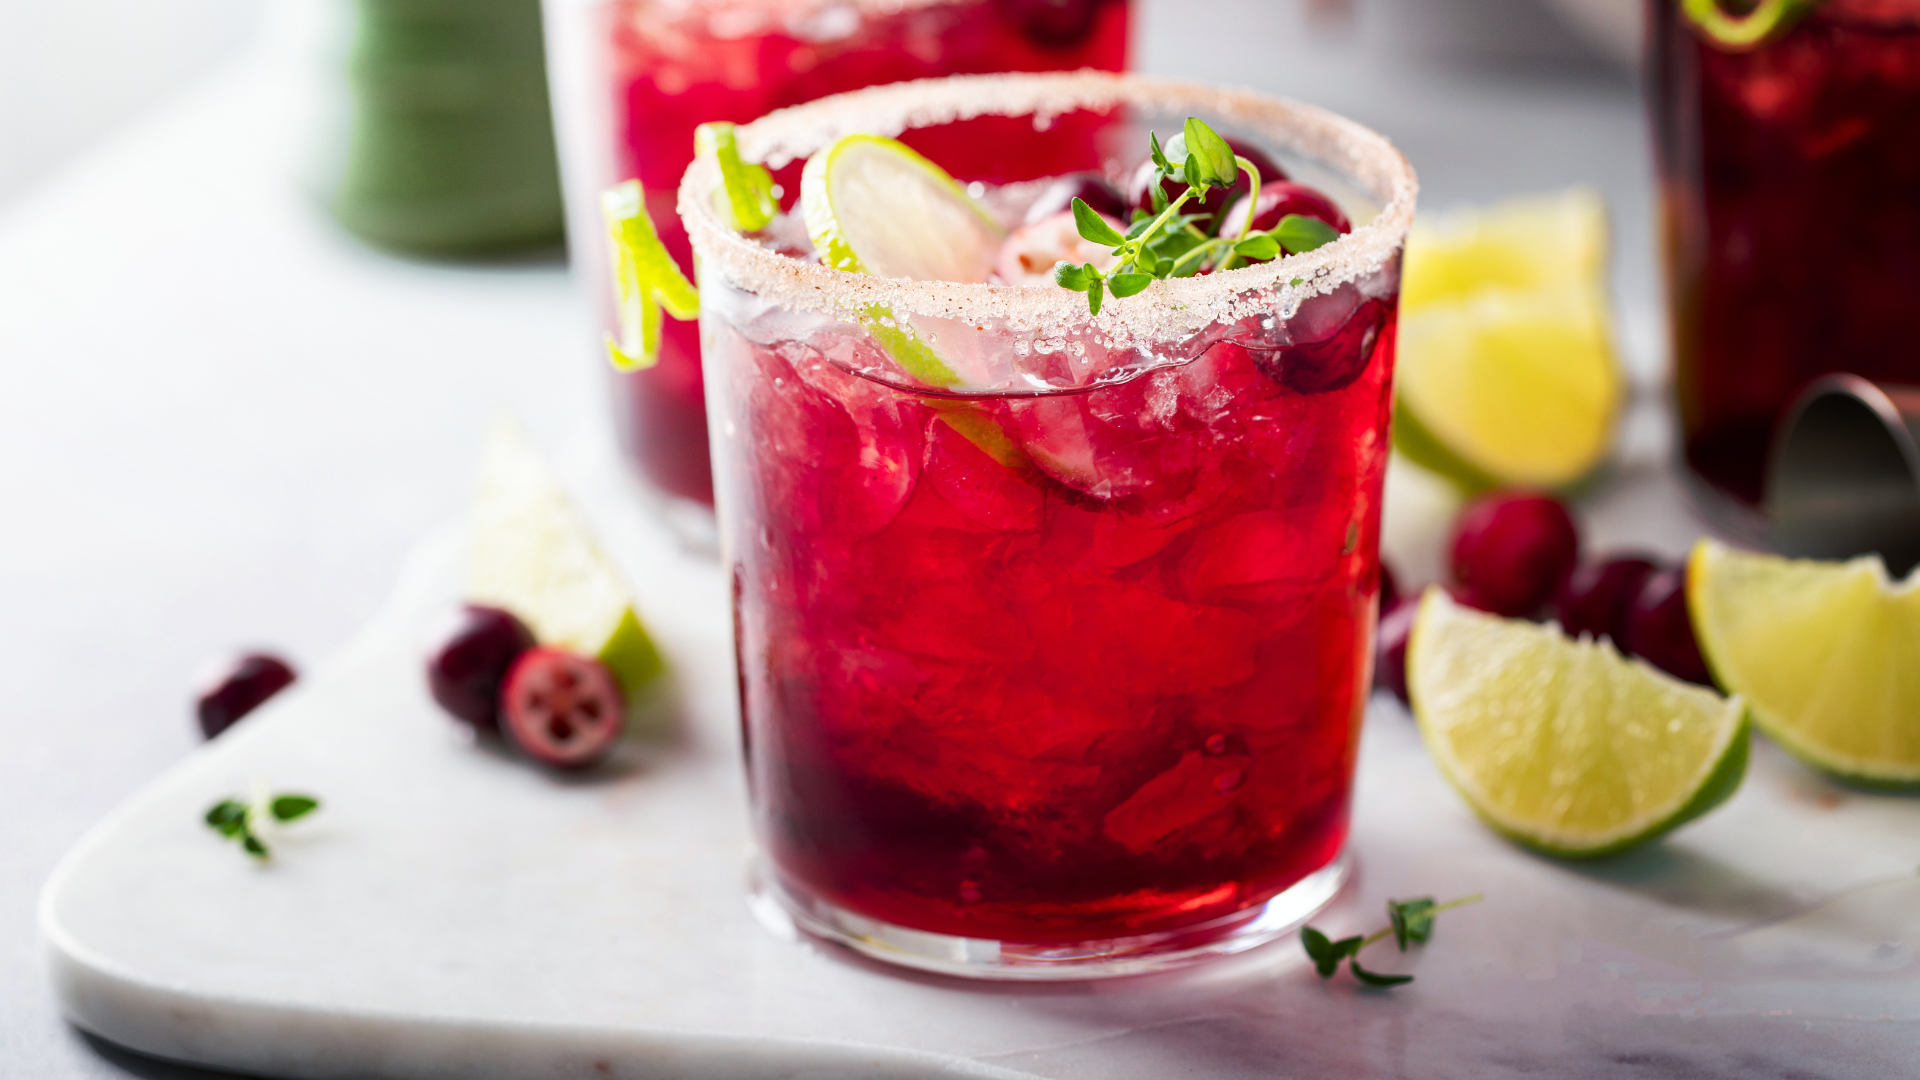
{"x": 451, "y": 147}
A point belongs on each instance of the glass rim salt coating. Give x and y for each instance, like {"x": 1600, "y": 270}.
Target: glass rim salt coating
{"x": 1168, "y": 311}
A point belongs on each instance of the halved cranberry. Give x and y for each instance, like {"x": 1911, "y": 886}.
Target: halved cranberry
{"x": 1277, "y": 200}
{"x": 1390, "y": 647}
{"x": 1660, "y": 631}
{"x": 238, "y": 686}
{"x": 1216, "y": 199}
{"x": 562, "y": 709}
{"x": 1595, "y": 599}
{"x": 1389, "y": 587}
{"x": 1089, "y": 187}
{"x": 469, "y": 660}
{"x": 1512, "y": 551}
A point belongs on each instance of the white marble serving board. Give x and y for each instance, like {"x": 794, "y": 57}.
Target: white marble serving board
{"x": 454, "y": 913}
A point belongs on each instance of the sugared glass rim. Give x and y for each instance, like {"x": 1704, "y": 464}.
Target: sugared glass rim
{"x": 1166, "y": 311}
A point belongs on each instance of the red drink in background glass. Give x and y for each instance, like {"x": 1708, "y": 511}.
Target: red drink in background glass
{"x": 666, "y": 67}
{"x": 1070, "y": 664}
{"x": 1791, "y": 193}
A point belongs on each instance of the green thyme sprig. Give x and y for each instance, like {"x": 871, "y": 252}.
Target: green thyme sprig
{"x": 1408, "y": 921}
{"x": 234, "y": 819}
{"x": 1166, "y": 243}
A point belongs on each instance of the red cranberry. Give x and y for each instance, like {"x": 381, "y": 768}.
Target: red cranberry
{"x": 1090, "y": 188}
{"x": 1512, "y": 550}
{"x": 1389, "y": 588}
{"x": 237, "y": 687}
{"x": 1277, "y": 200}
{"x": 1660, "y": 631}
{"x": 1390, "y": 647}
{"x": 1335, "y": 361}
{"x": 562, "y": 709}
{"x": 469, "y": 661}
{"x": 1595, "y": 599}
{"x": 1051, "y": 22}
{"x": 1217, "y": 198}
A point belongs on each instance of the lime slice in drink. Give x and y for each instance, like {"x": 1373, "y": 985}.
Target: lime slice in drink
{"x": 1507, "y": 389}
{"x": 873, "y": 206}
{"x": 532, "y": 553}
{"x": 1827, "y": 653}
{"x": 1561, "y": 744}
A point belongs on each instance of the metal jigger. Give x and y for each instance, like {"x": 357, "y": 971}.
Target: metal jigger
{"x": 1844, "y": 475}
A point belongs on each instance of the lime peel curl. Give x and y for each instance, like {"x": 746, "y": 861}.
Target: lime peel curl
{"x": 646, "y": 279}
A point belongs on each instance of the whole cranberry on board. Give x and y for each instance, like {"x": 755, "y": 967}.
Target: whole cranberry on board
{"x": 236, "y": 687}
{"x": 562, "y": 709}
{"x": 1390, "y": 647}
{"x": 469, "y": 659}
{"x": 1660, "y": 630}
{"x": 1389, "y": 588}
{"x": 1596, "y": 597}
{"x": 1511, "y": 551}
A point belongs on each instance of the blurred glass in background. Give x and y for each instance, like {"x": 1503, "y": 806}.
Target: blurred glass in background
{"x": 1790, "y": 197}
{"x": 633, "y": 78}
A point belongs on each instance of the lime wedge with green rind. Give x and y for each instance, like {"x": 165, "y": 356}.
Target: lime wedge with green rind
{"x": 646, "y": 279}
{"x": 745, "y": 202}
{"x": 531, "y": 552}
{"x": 1826, "y": 653}
{"x": 1562, "y": 744}
{"x": 1507, "y": 389}
{"x": 1505, "y": 372}
{"x": 1525, "y": 244}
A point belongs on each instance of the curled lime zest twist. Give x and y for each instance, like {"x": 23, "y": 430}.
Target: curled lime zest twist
{"x": 1739, "y": 33}
{"x": 645, "y": 277}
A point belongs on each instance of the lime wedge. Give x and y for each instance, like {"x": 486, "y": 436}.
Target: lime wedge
{"x": 645, "y": 278}
{"x": 532, "y": 553}
{"x": 873, "y": 206}
{"x": 1827, "y": 653}
{"x": 1507, "y": 388}
{"x": 745, "y": 202}
{"x": 1561, "y": 744}
{"x": 1521, "y": 245}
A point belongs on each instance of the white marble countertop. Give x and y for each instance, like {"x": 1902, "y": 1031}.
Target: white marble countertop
{"x": 223, "y": 423}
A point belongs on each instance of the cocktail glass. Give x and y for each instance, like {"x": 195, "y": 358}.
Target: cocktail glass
{"x": 1055, "y": 670}
{"x": 1790, "y": 186}
{"x": 633, "y": 78}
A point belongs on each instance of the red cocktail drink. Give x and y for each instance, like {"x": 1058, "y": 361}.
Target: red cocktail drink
{"x": 1791, "y": 189}
{"x": 1057, "y": 668}
{"x": 664, "y": 67}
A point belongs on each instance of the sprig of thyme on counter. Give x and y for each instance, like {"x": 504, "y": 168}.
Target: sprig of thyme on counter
{"x": 1409, "y": 921}
{"x": 234, "y": 819}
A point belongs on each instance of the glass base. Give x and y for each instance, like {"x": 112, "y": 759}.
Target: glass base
{"x": 788, "y": 910}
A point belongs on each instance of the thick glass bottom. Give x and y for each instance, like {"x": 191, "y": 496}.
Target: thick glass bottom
{"x": 788, "y": 909}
